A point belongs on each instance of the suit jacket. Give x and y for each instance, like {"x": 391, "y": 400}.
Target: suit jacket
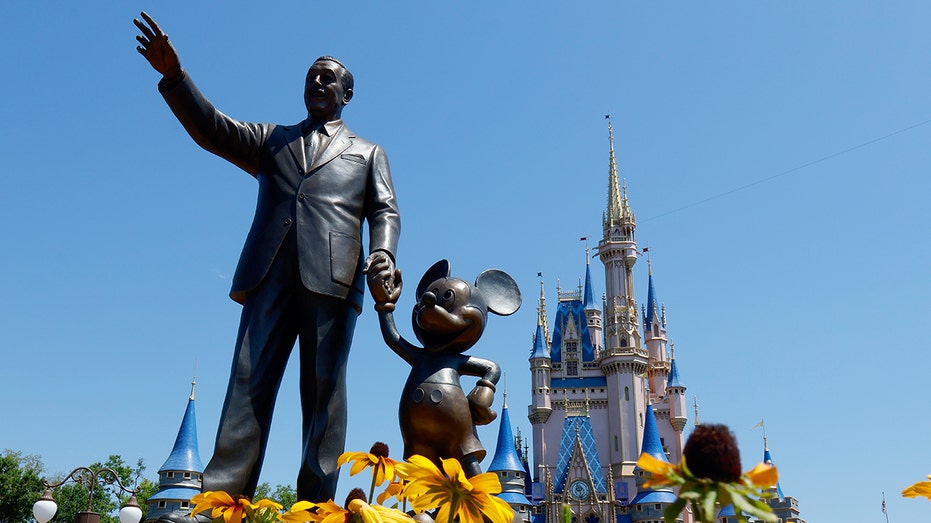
{"x": 325, "y": 203}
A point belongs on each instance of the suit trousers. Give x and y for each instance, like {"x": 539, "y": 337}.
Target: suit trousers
{"x": 276, "y": 313}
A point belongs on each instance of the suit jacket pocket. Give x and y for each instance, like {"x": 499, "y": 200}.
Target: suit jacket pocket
{"x": 344, "y": 258}
{"x": 357, "y": 158}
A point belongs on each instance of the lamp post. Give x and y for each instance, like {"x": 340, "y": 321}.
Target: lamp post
{"x": 45, "y": 508}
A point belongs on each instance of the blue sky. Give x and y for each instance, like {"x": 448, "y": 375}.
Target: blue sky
{"x": 776, "y": 154}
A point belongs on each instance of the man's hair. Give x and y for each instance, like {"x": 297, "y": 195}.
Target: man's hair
{"x": 345, "y": 78}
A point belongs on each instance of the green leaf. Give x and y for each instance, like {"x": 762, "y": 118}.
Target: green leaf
{"x": 672, "y": 511}
{"x": 708, "y": 502}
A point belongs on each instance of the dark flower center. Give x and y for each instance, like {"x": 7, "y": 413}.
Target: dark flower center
{"x": 355, "y": 493}
{"x": 711, "y": 452}
{"x": 379, "y": 449}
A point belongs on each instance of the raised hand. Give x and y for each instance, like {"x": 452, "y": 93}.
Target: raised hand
{"x": 156, "y": 48}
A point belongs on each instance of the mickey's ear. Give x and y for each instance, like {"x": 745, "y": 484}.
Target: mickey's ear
{"x": 439, "y": 270}
{"x": 500, "y": 291}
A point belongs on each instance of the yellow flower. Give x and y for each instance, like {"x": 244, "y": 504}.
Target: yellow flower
{"x": 763, "y": 475}
{"x": 920, "y": 489}
{"x": 377, "y": 458}
{"x": 661, "y": 472}
{"x": 377, "y": 513}
{"x": 330, "y": 512}
{"x": 392, "y": 490}
{"x": 223, "y": 505}
{"x": 299, "y": 512}
{"x": 454, "y": 494}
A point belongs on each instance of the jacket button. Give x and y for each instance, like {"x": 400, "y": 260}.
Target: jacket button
{"x": 300, "y": 196}
{"x": 287, "y": 221}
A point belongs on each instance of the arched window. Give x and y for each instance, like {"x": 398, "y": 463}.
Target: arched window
{"x": 623, "y": 342}
{"x": 626, "y": 393}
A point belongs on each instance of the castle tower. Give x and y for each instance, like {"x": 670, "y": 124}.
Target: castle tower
{"x": 180, "y": 477}
{"x": 540, "y": 408}
{"x": 678, "y": 416}
{"x": 649, "y": 504}
{"x": 654, "y": 336}
{"x": 507, "y": 465}
{"x": 592, "y": 311}
{"x": 785, "y": 507}
{"x": 623, "y": 360}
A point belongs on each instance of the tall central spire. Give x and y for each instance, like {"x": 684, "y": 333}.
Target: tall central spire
{"x": 615, "y": 200}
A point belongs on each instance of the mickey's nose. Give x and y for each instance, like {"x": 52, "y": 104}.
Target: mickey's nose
{"x": 428, "y": 299}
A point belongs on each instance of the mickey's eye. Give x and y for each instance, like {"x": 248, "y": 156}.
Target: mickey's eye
{"x": 449, "y": 296}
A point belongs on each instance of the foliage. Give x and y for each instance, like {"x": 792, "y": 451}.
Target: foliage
{"x": 20, "y": 485}
{"x": 283, "y": 494}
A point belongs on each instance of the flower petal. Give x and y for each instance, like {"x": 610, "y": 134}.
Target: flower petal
{"x": 763, "y": 475}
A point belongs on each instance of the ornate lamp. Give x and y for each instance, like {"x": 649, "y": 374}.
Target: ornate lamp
{"x": 44, "y": 509}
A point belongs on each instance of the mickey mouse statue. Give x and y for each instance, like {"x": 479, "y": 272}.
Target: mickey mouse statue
{"x": 437, "y": 418}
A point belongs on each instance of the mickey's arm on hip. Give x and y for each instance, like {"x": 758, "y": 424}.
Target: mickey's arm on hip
{"x": 483, "y": 395}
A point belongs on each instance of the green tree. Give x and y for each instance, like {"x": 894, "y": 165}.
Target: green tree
{"x": 284, "y": 494}
{"x": 20, "y": 485}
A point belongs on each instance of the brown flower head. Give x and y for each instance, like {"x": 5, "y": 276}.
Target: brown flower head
{"x": 355, "y": 493}
{"x": 379, "y": 449}
{"x": 711, "y": 452}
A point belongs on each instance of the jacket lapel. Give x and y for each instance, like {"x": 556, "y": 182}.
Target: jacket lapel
{"x": 295, "y": 139}
{"x": 337, "y": 145}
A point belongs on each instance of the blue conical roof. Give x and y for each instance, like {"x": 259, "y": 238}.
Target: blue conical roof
{"x": 185, "y": 456}
{"x": 651, "y": 301}
{"x": 652, "y": 444}
{"x": 588, "y": 301}
{"x": 768, "y": 459}
{"x": 539, "y": 345}
{"x": 673, "y": 379}
{"x": 506, "y": 458}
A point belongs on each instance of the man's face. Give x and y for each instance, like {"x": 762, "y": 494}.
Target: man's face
{"x": 324, "y": 96}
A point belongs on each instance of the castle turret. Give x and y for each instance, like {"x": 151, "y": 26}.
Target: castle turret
{"x": 650, "y": 503}
{"x": 592, "y": 310}
{"x": 180, "y": 477}
{"x": 507, "y": 465}
{"x": 540, "y": 408}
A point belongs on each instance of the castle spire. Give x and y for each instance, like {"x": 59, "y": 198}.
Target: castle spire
{"x": 541, "y": 311}
{"x": 615, "y": 202}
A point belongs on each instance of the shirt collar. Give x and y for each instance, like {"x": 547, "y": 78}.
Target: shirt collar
{"x": 330, "y": 128}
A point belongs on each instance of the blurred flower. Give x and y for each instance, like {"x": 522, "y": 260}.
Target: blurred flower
{"x": 706, "y": 478}
{"x": 452, "y": 493}
{"x": 922, "y": 489}
{"x": 661, "y": 472}
{"x": 711, "y": 452}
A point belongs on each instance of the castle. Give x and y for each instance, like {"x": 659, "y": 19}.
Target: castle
{"x": 605, "y": 388}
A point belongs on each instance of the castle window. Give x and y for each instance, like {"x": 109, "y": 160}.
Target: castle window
{"x": 161, "y": 504}
{"x": 185, "y": 504}
{"x": 627, "y": 393}
{"x": 187, "y": 475}
{"x": 572, "y": 368}
{"x": 623, "y": 342}
{"x": 615, "y": 443}
{"x": 170, "y": 475}
{"x": 655, "y": 330}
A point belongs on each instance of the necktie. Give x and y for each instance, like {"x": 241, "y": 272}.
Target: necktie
{"x": 313, "y": 145}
